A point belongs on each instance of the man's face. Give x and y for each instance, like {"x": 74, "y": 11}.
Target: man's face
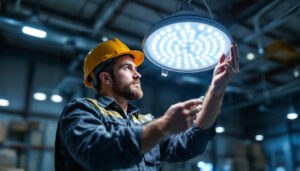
{"x": 126, "y": 80}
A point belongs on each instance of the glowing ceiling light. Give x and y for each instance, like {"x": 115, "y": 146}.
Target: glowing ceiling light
{"x": 250, "y": 56}
{"x": 189, "y": 42}
{"x": 34, "y": 32}
{"x": 56, "y": 98}
{"x": 292, "y": 116}
{"x": 39, "y": 96}
{"x": 220, "y": 129}
{"x": 259, "y": 137}
{"x": 4, "y": 102}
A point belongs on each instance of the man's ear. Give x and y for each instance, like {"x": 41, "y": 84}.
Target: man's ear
{"x": 105, "y": 78}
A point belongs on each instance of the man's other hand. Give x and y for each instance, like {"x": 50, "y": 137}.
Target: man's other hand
{"x": 180, "y": 116}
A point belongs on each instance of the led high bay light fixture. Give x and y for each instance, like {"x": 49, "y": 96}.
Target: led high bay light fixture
{"x": 186, "y": 42}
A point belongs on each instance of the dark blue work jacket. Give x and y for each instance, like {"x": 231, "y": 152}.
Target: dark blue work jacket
{"x": 95, "y": 134}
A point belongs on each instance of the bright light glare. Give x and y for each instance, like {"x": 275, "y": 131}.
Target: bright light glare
{"x": 292, "y": 116}
{"x": 39, "y": 96}
{"x": 296, "y": 73}
{"x": 56, "y": 98}
{"x": 259, "y": 137}
{"x": 220, "y": 129}
{"x": 34, "y": 32}
{"x": 205, "y": 166}
{"x": 4, "y": 102}
{"x": 104, "y": 38}
{"x": 186, "y": 46}
{"x": 250, "y": 56}
{"x": 280, "y": 168}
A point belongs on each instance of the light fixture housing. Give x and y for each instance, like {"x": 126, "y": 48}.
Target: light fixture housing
{"x": 292, "y": 113}
{"x": 186, "y": 42}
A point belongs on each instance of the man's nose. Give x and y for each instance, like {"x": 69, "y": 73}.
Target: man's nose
{"x": 137, "y": 75}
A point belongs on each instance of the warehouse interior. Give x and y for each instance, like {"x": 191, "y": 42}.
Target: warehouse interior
{"x": 39, "y": 76}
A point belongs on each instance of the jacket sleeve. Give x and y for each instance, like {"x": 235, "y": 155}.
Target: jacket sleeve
{"x": 184, "y": 146}
{"x": 96, "y": 145}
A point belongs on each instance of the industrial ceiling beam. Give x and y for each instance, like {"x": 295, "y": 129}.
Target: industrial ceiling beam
{"x": 153, "y": 7}
{"x": 105, "y": 15}
{"x": 42, "y": 10}
{"x": 275, "y": 23}
{"x": 277, "y": 92}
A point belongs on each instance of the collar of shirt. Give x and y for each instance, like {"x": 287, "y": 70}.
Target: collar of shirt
{"x": 110, "y": 104}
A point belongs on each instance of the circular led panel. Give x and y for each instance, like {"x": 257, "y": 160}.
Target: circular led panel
{"x": 186, "y": 42}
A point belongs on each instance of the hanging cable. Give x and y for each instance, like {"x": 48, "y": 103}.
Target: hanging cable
{"x": 208, "y": 9}
{"x": 186, "y": 5}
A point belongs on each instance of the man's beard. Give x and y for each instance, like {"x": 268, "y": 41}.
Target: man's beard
{"x": 126, "y": 90}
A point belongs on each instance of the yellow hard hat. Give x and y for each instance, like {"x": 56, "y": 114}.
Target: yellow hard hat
{"x": 104, "y": 52}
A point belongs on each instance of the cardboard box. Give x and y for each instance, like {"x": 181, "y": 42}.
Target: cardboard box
{"x": 34, "y": 125}
{"x": 8, "y": 158}
{"x": 241, "y": 164}
{"x": 239, "y": 150}
{"x": 36, "y": 138}
{"x": 259, "y": 163}
{"x": 11, "y": 169}
{"x": 2, "y": 133}
{"x": 255, "y": 150}
{"x": 19, "y": 127}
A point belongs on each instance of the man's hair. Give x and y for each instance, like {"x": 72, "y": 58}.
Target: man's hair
{"x": 107, "y": 68}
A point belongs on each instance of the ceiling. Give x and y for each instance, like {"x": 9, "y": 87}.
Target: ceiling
{"x": 263, "y": 86}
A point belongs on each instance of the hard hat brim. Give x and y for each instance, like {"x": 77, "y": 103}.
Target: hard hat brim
{"x": 138, "y": 57}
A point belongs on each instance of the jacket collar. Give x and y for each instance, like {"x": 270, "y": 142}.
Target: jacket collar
{"x": 111, "y": 104}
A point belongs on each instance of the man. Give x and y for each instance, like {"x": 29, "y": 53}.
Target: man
{"x": 107, "y": 133}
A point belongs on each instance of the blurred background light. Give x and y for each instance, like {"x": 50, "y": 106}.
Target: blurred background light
{"x": 280, "y": 168}
{"x": 205, "y": 166}
{"x": 4, "y": 102}
{"x": 296, "y": 73}
{"x": 34, "y": 32}
{"x": 250, "y": 56}
{"x": 56, "y": 98}
{"x": 292, "y": 116}
{"x": 104, "y": 38}
{"x": 40, "y": 96}
{"x": 259, "y": 137}
{"x": 220, "y": 129}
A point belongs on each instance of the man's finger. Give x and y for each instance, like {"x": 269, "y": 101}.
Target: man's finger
{"x": 222, "y": 59}
{"x": 192, "y": 102}
{"x": 196, "y": 110}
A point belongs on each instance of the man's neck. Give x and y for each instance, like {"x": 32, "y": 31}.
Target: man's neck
{"x": 120, "y": 100}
